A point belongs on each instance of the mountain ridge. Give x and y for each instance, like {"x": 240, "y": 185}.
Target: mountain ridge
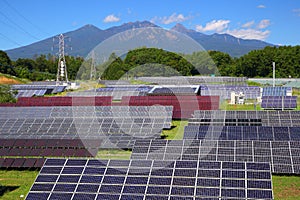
{"x": 93, "y": 36}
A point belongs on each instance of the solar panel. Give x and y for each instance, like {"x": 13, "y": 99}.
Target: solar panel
{"x": 276, "y": 91}
{"x": 195, "y": 179}
{"x": 283, "y": 155}
{"x": 287, "y": 118}
{"x": 117, "y": 126}
{"x": 267, "y": 133}
{"x": 279, "y": 102}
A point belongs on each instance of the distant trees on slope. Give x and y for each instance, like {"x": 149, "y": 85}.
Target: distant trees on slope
{"x": 151, "y": 61}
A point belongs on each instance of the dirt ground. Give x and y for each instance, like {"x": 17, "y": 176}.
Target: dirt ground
{"x": 5, "y": 80}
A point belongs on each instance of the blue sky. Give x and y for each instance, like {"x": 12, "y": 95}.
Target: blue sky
{"x": 24, "y": 22}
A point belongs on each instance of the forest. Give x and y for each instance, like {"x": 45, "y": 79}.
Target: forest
{"x": 158, "y": 62}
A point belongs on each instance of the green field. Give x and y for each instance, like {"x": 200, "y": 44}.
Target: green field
{"x": 14, "y": 183}
{"x": 286, "y": 187}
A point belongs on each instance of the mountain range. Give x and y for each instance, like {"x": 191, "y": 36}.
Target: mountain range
{"x": 84, "y": 39}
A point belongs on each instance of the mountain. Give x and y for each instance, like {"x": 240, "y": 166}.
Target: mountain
{"x": 84, "y": 39}
{"x": 236, "y": 47}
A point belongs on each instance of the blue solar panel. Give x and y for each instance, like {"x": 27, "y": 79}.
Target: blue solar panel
{"x": 260, "y": 194}
{"x": 111, "y": 189}
{"x": 108, "y": 196}
{"x": 208, "y": 192}
{"x": 183, "y": 191}
{"x": 160, "y": 181}
{"x": 35, "y": 196}
{"x": 130, "y": 197}
{"x": 65, "y": 187}
{"x": 42, "y": 187}
{"x": 208, "y": 182}
{"x": 46, "y": 178}
{"x": 68, "y": 179}
{"x": 167, "y": 180}
{"x": 85, "y": 196}
{"x": 87, "y": 188}
{"x": 61, "y": 196}
{"x": 137, "y": 180}
{"x": 90, "y": 179}
{"x": 134, "y": 189}
{"x": 239, "y": 193}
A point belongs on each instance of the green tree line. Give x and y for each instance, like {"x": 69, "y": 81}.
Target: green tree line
{"x": 158, "y": 62}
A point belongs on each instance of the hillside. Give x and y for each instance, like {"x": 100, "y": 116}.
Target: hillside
{"x": 84, "y": 39}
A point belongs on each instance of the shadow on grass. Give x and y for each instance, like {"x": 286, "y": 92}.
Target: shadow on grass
{"x": 5, "y": 189}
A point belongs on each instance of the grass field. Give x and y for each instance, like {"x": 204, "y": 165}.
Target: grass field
{"x": 176, "y": 131}
{"x": 115, "y": 154}
{"x": 286, "y": 187}
{"x": 18, "y": 181}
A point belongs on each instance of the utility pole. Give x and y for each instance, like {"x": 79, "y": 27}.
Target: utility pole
{"x": 93, "y": 67}
{"x": 273, "y": 74}
{"x": 62, "y": 75}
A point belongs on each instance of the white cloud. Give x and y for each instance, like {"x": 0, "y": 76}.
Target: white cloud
{"x": 111, "y": 18}
{"x": 261, "y": 6}
{"x": 297, "y": 11}
{"x": 263, "y": 24}
{"x": 248, "y": 24}
{"x": 249, "y": 33}
{"x": 215, "y": 25}
{"x": 170, "y": 19}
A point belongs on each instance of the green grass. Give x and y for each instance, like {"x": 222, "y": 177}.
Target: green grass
{"x": 249, "y": 105}
{"x": 176, "y": 131}
{"x": 21, "y": 179}
{"x": 286, "y": 187}
{"x": 114, "y": 154}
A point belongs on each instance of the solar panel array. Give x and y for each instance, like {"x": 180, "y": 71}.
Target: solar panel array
{"x": 264, "y": 118}
{"x": 279, "y": 102}
{"x": 284, "y": 156}
{"x": 264, "y": 133}
{"x": 250, "y": 92}
{"x": 60, "y": 101}
{"x": 276, "y": 91}
{"x": 171, "y": 90}
{"x": 138, "y": 179}
{"x": 183, "y": 106}
{"x": 188, "y": 80}
{"x": 116, "y": 92}
{"x": 30, "y": 93}
{"x": 49, "y": 147}
{"x": 36, "y": 90}
{"x": 22, "y": 163}
{"x": 117, "y": 125}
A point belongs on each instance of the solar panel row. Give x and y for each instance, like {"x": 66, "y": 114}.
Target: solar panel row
{"x": 23, "y": 163}
{"x": 183, "y": 106}
{"x": 184, "y": 80}
{"x": 146, "y": 113}
{"x": 283, "y": 156}
{"x": 49, "y": 147}
{"x": 139, "y": 179}
{"x": 268, "y": 118}
{"x": 224, "y": 91}
{"x": 276, "y": 91}
{"x": 279, "y": 102}
{"x": 264, "y": 133}
{"x": 62, "y": 101}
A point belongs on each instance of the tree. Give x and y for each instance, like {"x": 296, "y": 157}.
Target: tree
{"x": 6, "y": 95}
{"x": 5, "y": 64}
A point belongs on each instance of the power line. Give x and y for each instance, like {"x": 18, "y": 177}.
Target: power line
{"x": 22, "y": 16}
{"x": 19, "y": 26}
{"x": 13, "y": 41}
